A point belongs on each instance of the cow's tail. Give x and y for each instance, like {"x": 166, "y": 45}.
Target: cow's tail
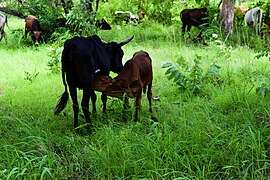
{"x": 63, "y": 99}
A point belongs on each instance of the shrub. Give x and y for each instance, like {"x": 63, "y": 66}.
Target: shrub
{"x": 190, "y": 77}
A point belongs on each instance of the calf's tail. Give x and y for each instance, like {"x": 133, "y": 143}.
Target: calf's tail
{"x": 63, "y": 99}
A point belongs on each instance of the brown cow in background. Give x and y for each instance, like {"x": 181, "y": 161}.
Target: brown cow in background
{"x": 135, "y": 77}
{"x": 32, "y": 27}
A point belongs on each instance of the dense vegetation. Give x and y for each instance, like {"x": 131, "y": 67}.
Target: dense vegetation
{"x": 213, "y": 124}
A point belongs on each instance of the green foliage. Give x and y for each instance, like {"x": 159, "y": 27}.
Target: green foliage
{"x": 54, "y": 52}
{"x": 223, "y": 134}
{"x": 190, "y": 77}
{"x": 30, "y": 76}
{"x": 81, "y": 20}
{"x": 263, "y": 87}
{"x": 54, "y": 56}
{"x": 264, "y": 5}
{"x": 263, "y": 52}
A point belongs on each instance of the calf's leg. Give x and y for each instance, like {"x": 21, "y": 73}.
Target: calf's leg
{"x": 138, "y": 103}
{"x": 149, "y": 96}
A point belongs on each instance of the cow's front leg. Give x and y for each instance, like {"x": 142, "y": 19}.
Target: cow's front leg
{"x": 94, "y": 99}
{"x": 104, "y": 101}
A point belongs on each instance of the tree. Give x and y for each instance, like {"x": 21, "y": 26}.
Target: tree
{"x": 226, "y": 16}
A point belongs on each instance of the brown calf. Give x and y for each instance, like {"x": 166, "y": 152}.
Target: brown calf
{"x": 135, "y": 77}
{"x": 33, "y": 28}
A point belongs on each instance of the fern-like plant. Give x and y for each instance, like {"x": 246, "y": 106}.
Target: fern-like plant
{"x": 191, "y": 77}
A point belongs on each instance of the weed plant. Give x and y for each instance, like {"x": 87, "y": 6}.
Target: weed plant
{"x": 222, "y": 134}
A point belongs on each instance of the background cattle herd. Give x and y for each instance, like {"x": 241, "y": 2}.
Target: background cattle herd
{"x": 86, "y": 62}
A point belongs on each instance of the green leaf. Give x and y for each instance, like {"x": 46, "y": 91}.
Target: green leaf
{"x": 170, "y": 70}
{"x": 172, "y": 75}
{"x": 166, "y": 65}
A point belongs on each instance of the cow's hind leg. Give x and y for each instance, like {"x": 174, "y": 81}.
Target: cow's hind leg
{"x": 87, "y": 93}
{"x": 1, "y": 34}
{"x": 5, "y": 36}
{"x": 73, "y": 94}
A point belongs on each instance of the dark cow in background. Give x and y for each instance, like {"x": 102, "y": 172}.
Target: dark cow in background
{"x": 253, "y": 18}
{"x": 32, "y": 27}
{"x": 135, "y": 77}
{"x": 193, "y": 17}
{"x": 3, "y": 22}
{"x": 84, "y": 59}
{"x": 103, "y": 24}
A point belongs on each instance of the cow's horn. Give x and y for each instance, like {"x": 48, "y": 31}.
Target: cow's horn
{"x": 122, "y": 43}
{"x": 104, "y": 42}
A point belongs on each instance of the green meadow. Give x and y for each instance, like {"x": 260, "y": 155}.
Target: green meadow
{"x": 221, "y": 132}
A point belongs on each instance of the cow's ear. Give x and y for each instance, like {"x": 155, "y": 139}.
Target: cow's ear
{"x": 122, "y": 43}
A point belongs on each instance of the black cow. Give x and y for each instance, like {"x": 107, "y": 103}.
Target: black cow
{"x": 83, "y": 59}
{"x": 193, "y": 17}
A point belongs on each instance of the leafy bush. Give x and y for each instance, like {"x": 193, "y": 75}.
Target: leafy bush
{"x": 81, "y": 20}
{"x": 190, "y": 77}
{"x": 54, "y": 53}
{"x": 264, "y": 85}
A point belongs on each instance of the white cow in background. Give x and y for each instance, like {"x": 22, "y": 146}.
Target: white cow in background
{"x": 253, "y": 17}
{"x": 3, "y": 22}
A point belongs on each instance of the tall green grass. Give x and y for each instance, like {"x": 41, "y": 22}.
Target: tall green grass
{"x": 221, "y": 134}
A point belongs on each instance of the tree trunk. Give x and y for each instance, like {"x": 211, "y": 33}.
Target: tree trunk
{"x": 226, "y": 16}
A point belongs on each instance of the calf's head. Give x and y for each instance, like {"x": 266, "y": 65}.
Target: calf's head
{"x": 108, "y": 86}
{"x": 36, "y": 36}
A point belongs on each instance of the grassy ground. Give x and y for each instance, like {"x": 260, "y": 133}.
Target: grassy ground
{"x": 221, "y": 134}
